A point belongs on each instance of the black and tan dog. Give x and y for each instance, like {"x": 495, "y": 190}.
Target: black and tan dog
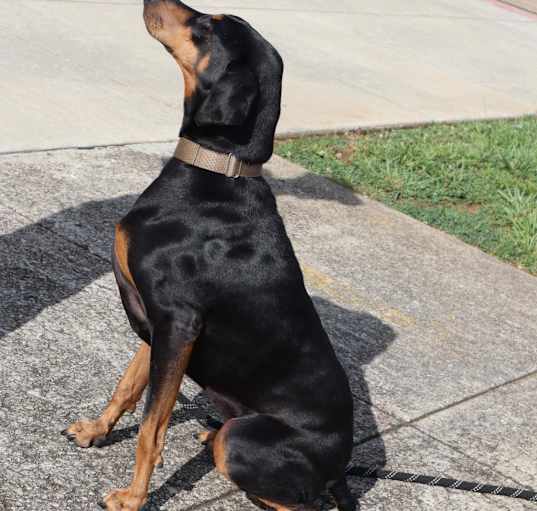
{"x": 210, "y": 283}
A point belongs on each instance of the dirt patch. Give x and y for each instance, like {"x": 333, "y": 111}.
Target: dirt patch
{"x": 347, "y": 154}
{"x": 469, "y": 208}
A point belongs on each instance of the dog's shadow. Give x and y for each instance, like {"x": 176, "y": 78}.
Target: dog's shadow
{"x": 50, "y": 260}
{"x": 358, "y": 338}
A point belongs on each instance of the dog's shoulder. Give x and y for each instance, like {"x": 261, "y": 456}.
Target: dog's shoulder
{"x": 192, "y": 230}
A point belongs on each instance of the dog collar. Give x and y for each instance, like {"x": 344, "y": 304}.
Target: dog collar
{"x": 222, "y": 163}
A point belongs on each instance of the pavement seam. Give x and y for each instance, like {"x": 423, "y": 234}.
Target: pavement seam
{"x": 449, "y": 446}
{"x": 287, "y": 134}
{"x": 476, "y": 460}
{"x": 416, "y": 420}
{"x": 413, "y": 425}
{"x": 514, "y": 381}
{"x": 517, "y": 7}
{"x": 88, "y": 147}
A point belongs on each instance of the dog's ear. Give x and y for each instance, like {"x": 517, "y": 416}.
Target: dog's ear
{"x": 230, "y": 99}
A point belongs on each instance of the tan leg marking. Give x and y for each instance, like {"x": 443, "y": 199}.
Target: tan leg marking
{"x": 276, "y": 507}
{"x": 220, "y": 449}
{"x": 151, "y": 441}
{"x": 206, "y": 437}
{"x": 128, "y": 392}
{"x": 121, "y": 248}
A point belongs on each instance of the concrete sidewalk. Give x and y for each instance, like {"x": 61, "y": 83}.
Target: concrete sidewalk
{"x": 83, "y": 73}
{"x": 438, "y": 340}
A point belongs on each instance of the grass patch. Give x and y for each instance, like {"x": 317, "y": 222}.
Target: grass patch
{"x": 477, "y": 181}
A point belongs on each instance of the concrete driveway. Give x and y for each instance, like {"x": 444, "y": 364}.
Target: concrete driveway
{"x": 82, "y": 73}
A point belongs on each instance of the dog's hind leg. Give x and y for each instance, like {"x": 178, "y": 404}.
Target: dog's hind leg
{"x": 265, "y": 458}
{"x": 128, "y": 392}
{"x": 171, "y": 348}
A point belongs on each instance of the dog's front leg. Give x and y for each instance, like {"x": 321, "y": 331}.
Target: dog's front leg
{"x": 171, "y": 348}
{"x": 128, "y": 392}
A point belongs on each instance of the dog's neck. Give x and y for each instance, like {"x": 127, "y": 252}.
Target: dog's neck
{"x": 218, "y": 162}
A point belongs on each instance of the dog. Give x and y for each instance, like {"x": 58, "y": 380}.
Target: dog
{"x": 210, "y": 283}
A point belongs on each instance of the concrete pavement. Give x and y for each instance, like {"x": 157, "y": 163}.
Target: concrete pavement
{"x": 438, "y": 340}
{"x": 84, "y": 73}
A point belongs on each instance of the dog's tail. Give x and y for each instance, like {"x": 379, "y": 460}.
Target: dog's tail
{"x": 343, "y": 496}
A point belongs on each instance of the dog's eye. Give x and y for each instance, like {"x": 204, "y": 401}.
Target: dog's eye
{"x": 198, "y": 38}
{"x": 201, "y": 29}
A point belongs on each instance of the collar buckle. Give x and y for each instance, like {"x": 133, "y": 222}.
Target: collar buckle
{"x": 233, "y": 167}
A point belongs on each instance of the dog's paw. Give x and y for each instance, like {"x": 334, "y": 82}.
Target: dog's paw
{"x": 122, "y": 500}
{"x": 205, "y": 437}
{"x": 86, "y": 433}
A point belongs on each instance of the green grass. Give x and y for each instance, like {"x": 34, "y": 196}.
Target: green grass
{"x": 477, "y": 181}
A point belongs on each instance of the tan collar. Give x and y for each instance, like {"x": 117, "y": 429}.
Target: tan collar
{"x": 221, "y": 163}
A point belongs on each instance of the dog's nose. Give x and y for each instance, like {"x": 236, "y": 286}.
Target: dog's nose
{"x": 164, "y": 19}
{"x": 175, "y": 4}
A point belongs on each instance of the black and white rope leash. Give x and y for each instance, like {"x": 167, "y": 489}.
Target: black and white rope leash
{"x": 442, "y": 482}
{"x": 406, "y": 477}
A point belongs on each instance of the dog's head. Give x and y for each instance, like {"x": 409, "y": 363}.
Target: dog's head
{"x": 232, "y": 78}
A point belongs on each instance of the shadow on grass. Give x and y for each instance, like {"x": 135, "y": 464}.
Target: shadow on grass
{"x": 312, "y": 186}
